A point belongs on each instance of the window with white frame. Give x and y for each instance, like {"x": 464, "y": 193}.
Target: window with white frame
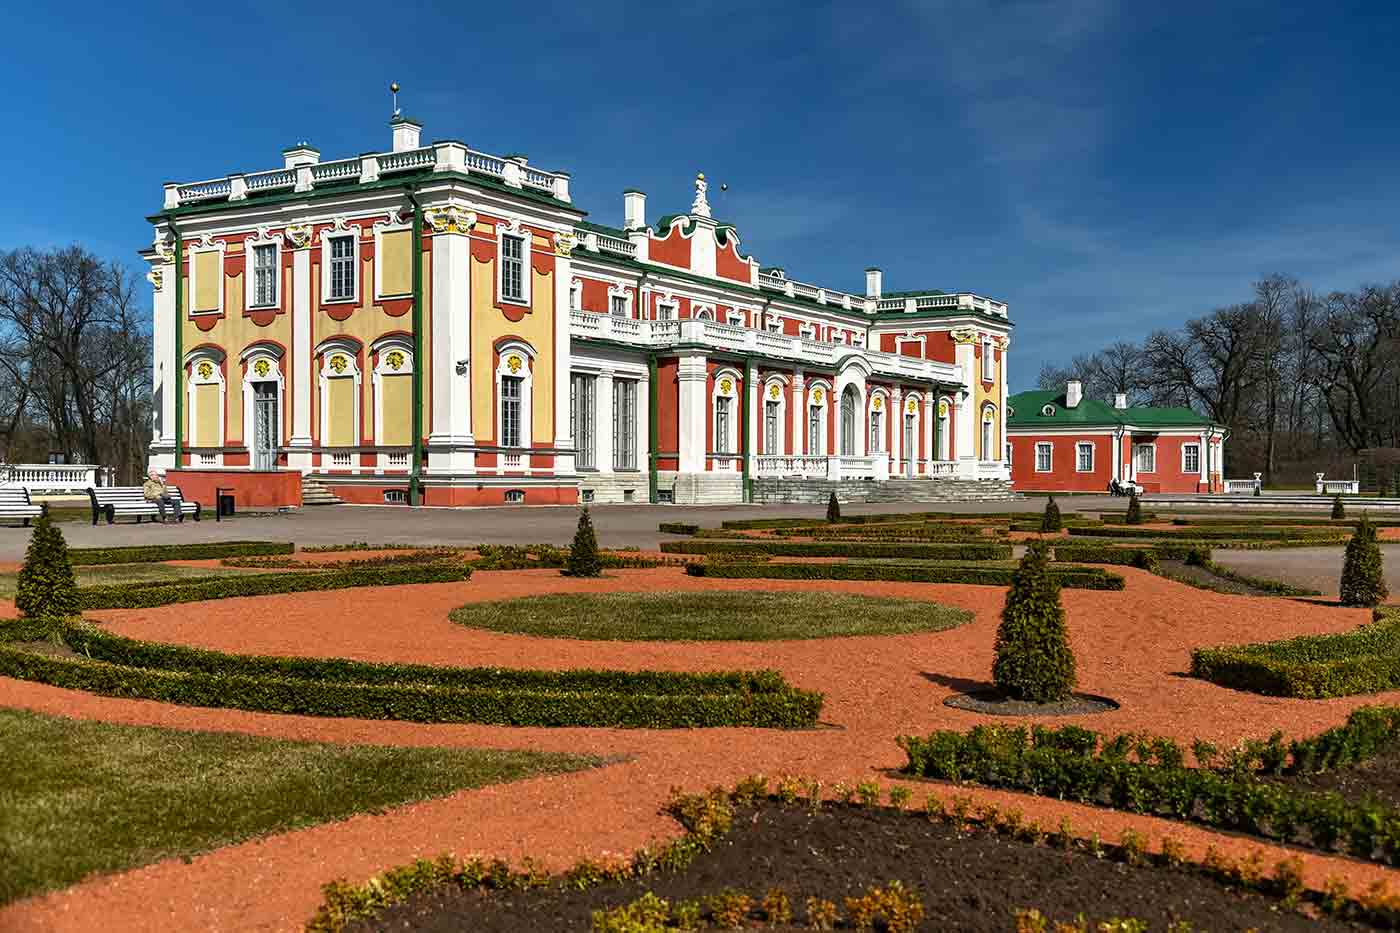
{"x": 1008, "y": 453}
{"x": 772, "y": 427}
{"x": 722, "y": 423}
{"x": 816, "y": 430}
{"x": 1190, "y": 458}
{"x": 617, "y": 305}
{"x": 1145, "y": 458}
{"x": 704, "y": 313}
{"x": 1084, "y": 457}
{"x": 264, "y": 275}
{"x": 807, "y": 332}
{"x": 1043, "y": 450}
{"x": 736, "y": 318}
{"x": 989, "y": 362}
{"x": 666, "y": 311}
{"x": 583, "y": 393}
{"x": 624, "y": 424}
{"x": 512, "y": 397}
{"x": 576, "y": 296}
{"x": 512, "y": 267}
{"x": 989, "y": 432}
{"x": 342, "y": 267}
{"x": 877, "y": 430}
{"x": 775, "y": 325}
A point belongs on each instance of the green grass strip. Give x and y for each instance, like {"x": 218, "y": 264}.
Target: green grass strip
{"x": 1071, "y": 578}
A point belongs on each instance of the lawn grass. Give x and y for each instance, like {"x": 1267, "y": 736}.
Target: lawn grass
{"x": 83, "y": 797}
{"x": 109, "y": 574}
{"x": 708, "y": 616}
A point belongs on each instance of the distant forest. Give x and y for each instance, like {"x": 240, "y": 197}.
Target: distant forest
{"x": 1305, "y": 382}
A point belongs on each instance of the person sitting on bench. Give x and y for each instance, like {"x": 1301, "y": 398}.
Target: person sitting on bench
{"x": 154, "y": 490}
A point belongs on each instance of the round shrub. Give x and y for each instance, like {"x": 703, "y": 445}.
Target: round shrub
{"x": 1363, "y": 572}
{"x": 583, "y": 554}
{"x": 833, "y": 510}
{"x": 46, "y": 588}
{"x": 1033, "y": 657}
{"x": 1050, "y": 520}
{"x": 1134, "y": 516}
{"x": 1339, "y": 509}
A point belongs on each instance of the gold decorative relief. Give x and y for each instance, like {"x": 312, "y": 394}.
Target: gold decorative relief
{"x": 298, "y": 235}
{"x": 339, "y": 363}
{"x": 912, "y": 407}
{"x": 818, "y": 395}
{"x": 262, "y": 367}
{"x": 877, "y": 402}
{"x": 943, "y": 408}
{"x": 205, "y": 369}
{"x": 726, "y": 385}
{"x": 564, "y": 243}
{"x": 155, "y": 278}
{"x": 395, "y": 359}
{"x": 963, "y": 335}
{"x": 774, "y": 391}
{"x": 513, "y": 363}
{"x": 450, "y": 219}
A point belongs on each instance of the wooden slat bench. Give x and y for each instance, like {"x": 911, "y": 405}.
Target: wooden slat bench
{"x": 117, "y": 501}
{"x": 15, "y": 503}
{"x": 182, "y": 505}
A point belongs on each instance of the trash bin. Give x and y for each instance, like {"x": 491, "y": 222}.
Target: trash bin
{"x": 224, "y": 503}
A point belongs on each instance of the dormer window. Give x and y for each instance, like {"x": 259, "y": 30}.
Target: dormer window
{"x": 1048, "y": 411}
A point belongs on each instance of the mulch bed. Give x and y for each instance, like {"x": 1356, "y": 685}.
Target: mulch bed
{"x": 1376, "y": 779}
{"x": 967, "y": 881}
{"x": 1181, "y": 570}
{"x": 994, "y": 704}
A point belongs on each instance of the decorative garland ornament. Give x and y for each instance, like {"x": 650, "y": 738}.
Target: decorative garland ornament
{"x": 298, "y": 236}
{"x": 450, "y": 219}
{"x": 963, "y": 335}
{"x": 564, "y": 243}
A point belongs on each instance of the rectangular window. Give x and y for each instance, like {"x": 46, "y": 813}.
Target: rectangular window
{"x": 772, "y": 428}
{"x": 807, "y": 332}
{"x": 1191, "y": 458}
{"x": 513, "y": 268}
{"x": 816, "y": 441}
{"x": 342, "y": 268}
{"x": 624, "y": 424}
{"x": 877, "y": 431}
{"x": 989, "y": 362}
{"x": 775, "y": 325}
{"x": 510, "y": 410}
{"x": 1008, "y": 453}
{"x": 1146, "y": 458}
{"x": 576, "y": 297}
{"x": 736, "y": 318}
{"x": 665, "y": 312}
{"x": 722, "y": 425}
{"x": 264, "y": 275}
{"x": 583, "y": 420}
{"x": 1084, "y": 457}
{"x": 617, "y": 304}
{"x": 1042, "y": 457}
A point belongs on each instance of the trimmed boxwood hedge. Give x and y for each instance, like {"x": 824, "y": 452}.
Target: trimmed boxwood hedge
{"x": 754, "y": 524}
{"x": 1211, "y": 534}
{"x": 1082, "y": 578}
{"x": 677, "y": 528}
{"x": 111, "y": 665}
{"x": 145, "y": 595}
{"x": 154, "y": 553}
{"x": 952, "y": 551}
{"x": 1143, "y": 774}
{"x": 1366, "y": 660}
{"x": 1124, "y": 555}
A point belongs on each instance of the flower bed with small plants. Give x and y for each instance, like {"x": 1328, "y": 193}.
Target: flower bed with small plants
{"x": 1083, "y": 578}
{"x": 952, "y": 551}
{"x": 154, "y": 553}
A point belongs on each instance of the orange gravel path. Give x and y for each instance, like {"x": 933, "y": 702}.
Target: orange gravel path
{"x": 1132, "y": 646}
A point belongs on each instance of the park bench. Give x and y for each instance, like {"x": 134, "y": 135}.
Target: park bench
{"x": 15, "y": 503}
{"x": 116, "y": 501}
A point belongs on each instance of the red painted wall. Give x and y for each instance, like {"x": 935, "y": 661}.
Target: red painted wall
{"x": 250, "y": 490}
{"x": 668, "y": 438}
{"x": 728, "y": 265}
{"x": 673, "y": 250}
{"x": 1064, "y": 477}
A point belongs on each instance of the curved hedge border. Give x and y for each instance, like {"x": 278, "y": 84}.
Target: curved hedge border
{"x": 1072, "y": 763}
{"x": 677, "y": 528}
{"x": 1123, "y": 555}
{"x": 956, "y": 551}
{"x": 1083, "y": 579}
{"x": 1366, "y": 660}
{"x": 154, "y": 553}
{"x": 111, "y": 665}
{"x": 1208, "y": 534}
{"x": 145, "y": 595}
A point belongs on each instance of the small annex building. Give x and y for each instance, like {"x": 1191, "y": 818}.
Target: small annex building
{"x": 1064, "y": 442}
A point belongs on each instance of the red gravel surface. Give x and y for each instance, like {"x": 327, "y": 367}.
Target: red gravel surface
{"x": 1132, "y": 645}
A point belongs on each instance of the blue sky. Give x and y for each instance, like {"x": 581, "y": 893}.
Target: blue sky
{"x": 1106, "y": 168}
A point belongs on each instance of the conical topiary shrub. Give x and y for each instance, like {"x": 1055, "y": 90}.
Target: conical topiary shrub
{"x": 1134, "y": 511}
{"x": 1033, "y": 658}
{"x": 1050, "y": 520}
{"x": 583, "y": 554}
{"x": 833, "y": 510}
{"x": 1363, "y": 571}
{"x": 1339, "y": 509}
{"x": 46, "y": 588}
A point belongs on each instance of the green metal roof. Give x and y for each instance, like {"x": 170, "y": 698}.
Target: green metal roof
{"x": 1028, "y": 411}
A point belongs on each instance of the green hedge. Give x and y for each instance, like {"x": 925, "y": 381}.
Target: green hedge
{"x": 115, "y": 666}
{"x": 1208, "y": 534}
{"x": 754, "y": 524}
{"x": 1148, "y": 775}
{"x": 154, "y": 553}
{"x": 1084, "y": 579}
{"x": 1122, "y": 555}
{"x": 1366, "y": 660}
{"x": 144, "y": 595}
{"x": 952, "y": 551}
{"x": 677, "y": 528}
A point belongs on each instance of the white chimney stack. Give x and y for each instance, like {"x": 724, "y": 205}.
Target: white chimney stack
{"x": 874, "y": 279}
{"x": 406, "y": 133}
{"x": 300, "y": 154}
{"x": 1120, "y": 400}
{"x": 634, "y": 209}
{"x": 1074, "y": 392}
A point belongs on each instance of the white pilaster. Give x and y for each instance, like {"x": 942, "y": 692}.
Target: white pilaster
{"x": 798, "y": 406}
{"x": 693, "y": 402}
{"x": 603, "y": 424}
{"x": 930, "y": 421}
{"x": 751, "y": 439}
{"x": 563, "y": 363}
{"x": 897, "y": 432}
{"x": 965, "y": 426}
{"x": 449, "y": 344}
{"x": 301, "y": 366}
{"x": 164, "y": 367}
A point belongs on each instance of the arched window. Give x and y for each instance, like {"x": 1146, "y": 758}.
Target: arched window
{"x": 205, "y": 400}
{"x": 849, "y": 401}
{"x": 774, "y": 402}
{"x": 263, "y": 403}
{"x": 944, "y": 428}
{"x": 704, "y": 313}
{"x": 910, "y": 445}
{"x": 989, "y": 432}
{"x": 514, "y": 393}
{"x": 393, "y": 400}
{"x": 816, "y": 420}
{"x": 877, "y": 423}
{"x": 726, "y": 400}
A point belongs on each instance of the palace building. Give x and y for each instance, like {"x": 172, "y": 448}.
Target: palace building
{"x": 437, "y": 325}
{"x": 1064, "y": 442}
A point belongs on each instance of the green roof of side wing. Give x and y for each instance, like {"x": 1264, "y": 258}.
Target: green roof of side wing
{"x": 1028, "y": 410}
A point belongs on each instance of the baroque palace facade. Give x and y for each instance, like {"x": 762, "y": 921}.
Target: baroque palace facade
{"x": 437, "y": 325}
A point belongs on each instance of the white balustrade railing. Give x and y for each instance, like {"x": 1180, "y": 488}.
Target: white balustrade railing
{"x": 341, "y": 460}
{"x": 406, "y": 160}
{"x": 337, "y": 171}
{"x": 772, "y": 281}
{"x": 942, "y": 468}
{"x": 806, "y": 291}
{"x": 206, "y": 190}
{"x": 398, "y": 460}
{"x": 537, "y": 179}
{"x": 1241, "y": 485}
{"x": 616, "y": 245}
{"x": 271, "y": 181}
{"x": 790, "y": 465}
{"x": 37, "y": 477}
{"x": 512, "y": 461}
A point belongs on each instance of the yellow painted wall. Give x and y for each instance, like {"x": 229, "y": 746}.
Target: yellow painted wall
{"x": 208, "y": 279}
{"x": 206, "y": 403}
{"x": 993, "y": 395}
{"x": 488, "y": 326}
{"x": 395, "y": 262}
{"x": 340, "y": 411}
{"x": 398, "y": 410}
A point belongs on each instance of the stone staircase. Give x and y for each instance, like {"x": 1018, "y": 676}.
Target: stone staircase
{"x": 709, "y": 489}
{"x": 314, "y": 493}
{"x": 817, "y": 491}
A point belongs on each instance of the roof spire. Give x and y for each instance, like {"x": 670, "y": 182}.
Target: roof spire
{"x": 700, "y": 207}
{"x": 394, "y": 89}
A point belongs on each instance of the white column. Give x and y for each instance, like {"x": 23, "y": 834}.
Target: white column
{"x": 563, "y": 362}
{"x": 692, "y": 377}
{"x": 965, "y": 425}
{"x": 930, "y": 419}
{"x": 164, "y": 368}
{"x": 643, "y": 415}
{"x": 301, "y": 367}
{"x": 798, "y": 404}
{"x": 751, "y": 391}
{"x": 603, "y": 424}
{"x": 897, "y": 431}
{"x": 1001, "y": 409}
{"x": 449, "y": 343}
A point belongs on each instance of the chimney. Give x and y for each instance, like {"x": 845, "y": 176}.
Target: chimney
{"x": 1074, "y": 392}
{"x": 874, "y": 278}
{"x": 406, "y": 133}
{"x": 300, "y": 154}
{"x": 634, "y": 209}
{"x": 1120, "y": 400}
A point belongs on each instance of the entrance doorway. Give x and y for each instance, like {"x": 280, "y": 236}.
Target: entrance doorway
{"x": 911, "y": 452}
{"x": 265, "y": 423}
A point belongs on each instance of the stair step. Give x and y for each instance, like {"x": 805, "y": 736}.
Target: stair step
{"x": 313, "y": 492}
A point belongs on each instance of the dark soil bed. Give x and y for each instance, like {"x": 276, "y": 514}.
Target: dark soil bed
{"x": 1375, "y": 779}
{"x": 968, "y": 882}
{"x": 47, "y": 648}
{"x": 1200, "y": 576}
{"x": 994, "y": 704}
